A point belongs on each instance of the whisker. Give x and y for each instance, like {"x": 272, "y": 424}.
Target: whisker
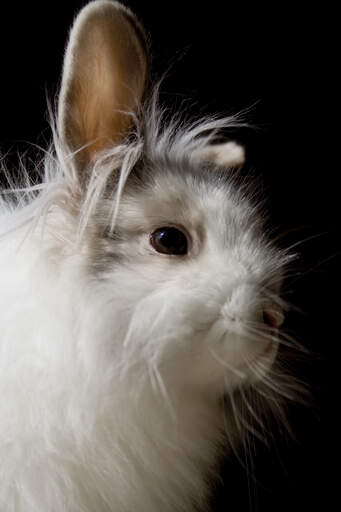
{"x": 303, "y": 241}
{"x": 276, "y": 405}
{"x": 235, "y": 412}
{"x": 235, "y": 441}
{"x": 319, "y": 264}
{"x": 261, "y": 334}
{"x": 250, "y": 409}
{"x": 280, "y": 337}
{"x": 234, "y": 370}
{"x": 164, "y": 392}
{"x": 256, "y": 368}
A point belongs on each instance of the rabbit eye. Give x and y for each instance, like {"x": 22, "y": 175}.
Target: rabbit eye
{"x": 169, "y": 240}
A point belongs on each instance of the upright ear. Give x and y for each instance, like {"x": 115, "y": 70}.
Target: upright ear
{"x": 104, "y": 78}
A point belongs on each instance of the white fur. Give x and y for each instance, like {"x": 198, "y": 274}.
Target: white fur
{"x": 228, "y": 154}
{"x": 114, "y": 359}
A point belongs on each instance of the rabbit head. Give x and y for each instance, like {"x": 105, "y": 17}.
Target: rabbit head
{"x": 184, "y": 281}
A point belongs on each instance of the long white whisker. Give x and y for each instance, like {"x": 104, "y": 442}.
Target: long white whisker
{"x": 257, "y": 368}
{"x": 251, "y": 409}
{"x": 240, "y": 374}
{"x": 281, "y": 338}
{"x": 163, "y": 390}
{"x": 235, "y": 412}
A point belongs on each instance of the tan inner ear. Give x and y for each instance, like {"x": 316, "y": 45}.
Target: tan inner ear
{"x": 105, "y": 74}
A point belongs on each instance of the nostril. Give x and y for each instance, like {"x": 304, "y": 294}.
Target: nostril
{"x": 273, "y": 317}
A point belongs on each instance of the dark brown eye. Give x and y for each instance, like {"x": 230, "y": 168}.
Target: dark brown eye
{"x": 169, "y": 240}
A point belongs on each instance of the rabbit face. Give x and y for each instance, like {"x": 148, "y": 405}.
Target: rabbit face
{"x": 192, "y": 270}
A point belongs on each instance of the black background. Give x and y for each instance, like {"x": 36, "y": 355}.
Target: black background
{"x": 279, "y": 60}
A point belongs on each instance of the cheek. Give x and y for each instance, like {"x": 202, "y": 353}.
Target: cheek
{"x": 261, "y": 365}
{"x": 247, "y": 359}
{"x": 226, "y": 360}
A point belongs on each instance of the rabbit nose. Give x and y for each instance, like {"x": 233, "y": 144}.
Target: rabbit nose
{"x": 273, "y": 315}
{"x": 245, "y": 304}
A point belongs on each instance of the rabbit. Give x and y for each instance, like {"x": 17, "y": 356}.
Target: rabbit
{"x": 140, "y": 294}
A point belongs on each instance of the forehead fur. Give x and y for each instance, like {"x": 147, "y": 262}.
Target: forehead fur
{"x": 180, "y": 192}
{"x": 174, "y": 186}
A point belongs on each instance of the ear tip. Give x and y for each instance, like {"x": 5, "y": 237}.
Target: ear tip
{"x": 110, "y": 17}
{"x": 109, "y": 13}
{"x": 106, "y": 11}
{"x": 230, "y": 153}
{"x": 98, "y": 8}
{"x": 103, "y": 4}
{"x": 108, "y": 42}
{"x": 226, "y": 154}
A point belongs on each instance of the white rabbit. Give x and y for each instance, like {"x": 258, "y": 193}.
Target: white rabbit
{"x": 138, "y": 289}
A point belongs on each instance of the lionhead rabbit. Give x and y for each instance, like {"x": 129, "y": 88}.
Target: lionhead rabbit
{"x": 139, "y": 294}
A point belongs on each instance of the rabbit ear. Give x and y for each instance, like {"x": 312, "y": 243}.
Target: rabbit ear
{"x": 228, "y": 154}
{"x": 104, "y": 78}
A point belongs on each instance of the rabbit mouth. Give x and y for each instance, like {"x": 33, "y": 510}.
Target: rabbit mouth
{"x": 259, "y": 365}
{"x": 267, "y": 352}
